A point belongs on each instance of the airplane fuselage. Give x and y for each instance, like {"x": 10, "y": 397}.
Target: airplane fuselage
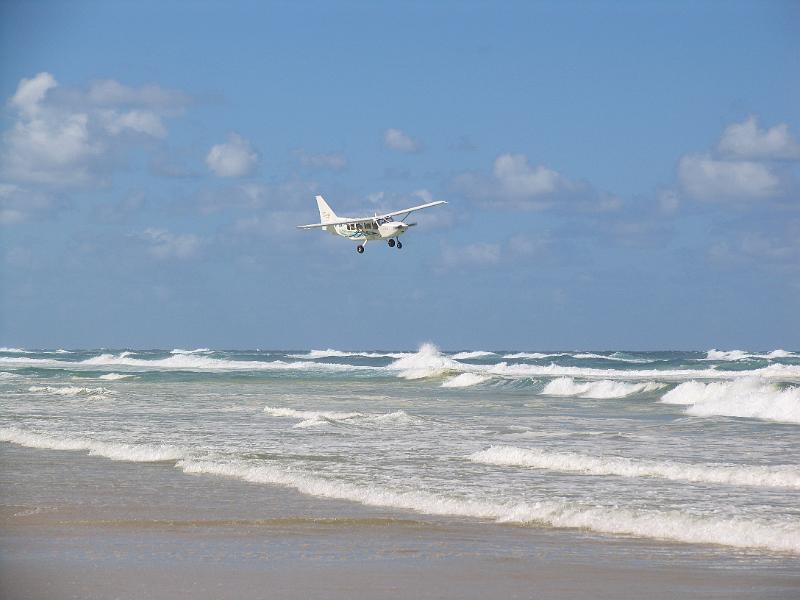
{"x": 370, "y": 229}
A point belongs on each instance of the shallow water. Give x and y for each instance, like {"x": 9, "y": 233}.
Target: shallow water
{"x": 697, "y": 447}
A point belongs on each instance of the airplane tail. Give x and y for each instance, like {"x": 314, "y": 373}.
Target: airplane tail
{"x": 326, "y": 214}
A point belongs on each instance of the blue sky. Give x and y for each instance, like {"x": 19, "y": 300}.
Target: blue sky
{"x": 619, "y": 175}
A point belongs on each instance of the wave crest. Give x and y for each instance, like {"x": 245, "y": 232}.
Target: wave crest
{"x": 750, "y": 398}
{"x": 427, "y": 362}
{"x": 572, "y": 462}
{"x": 669, "y": 525}
{"x": 112, "y": 450}
{"x": 313, "y": 418}
{"x": 465, "y": 380}
{"x": 603, "y": 389}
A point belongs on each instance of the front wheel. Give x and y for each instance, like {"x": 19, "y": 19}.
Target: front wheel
{"x": 360, "y": 249}
{"x": 399, "y": 244}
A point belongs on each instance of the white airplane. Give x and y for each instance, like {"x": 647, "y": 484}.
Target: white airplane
{"x": 363, "y": 229}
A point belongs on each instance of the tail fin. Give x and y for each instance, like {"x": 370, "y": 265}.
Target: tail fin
{"x": 326, "y": 214}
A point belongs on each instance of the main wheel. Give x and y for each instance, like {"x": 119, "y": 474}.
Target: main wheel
{"x": 399, "y": 244}
{"x": 391, "y": 243}
{"x": 360, "y": 249}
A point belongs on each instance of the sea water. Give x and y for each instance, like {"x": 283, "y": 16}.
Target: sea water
{"x": 692, "y": 447}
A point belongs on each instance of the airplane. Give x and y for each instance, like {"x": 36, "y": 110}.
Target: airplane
{"x": 364, "y": 229}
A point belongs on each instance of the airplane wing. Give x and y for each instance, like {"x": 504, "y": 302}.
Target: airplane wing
{"x": 383, "y": 216}
{"x": 412, "y": 209}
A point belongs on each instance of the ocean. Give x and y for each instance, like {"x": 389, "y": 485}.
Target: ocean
{"x": 693, "y": 448}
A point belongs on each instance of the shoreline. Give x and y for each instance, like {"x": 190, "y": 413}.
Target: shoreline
{"x": 95, "y": 528}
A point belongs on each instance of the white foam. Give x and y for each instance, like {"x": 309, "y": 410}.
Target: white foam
{"x": 605, "y": 388}
{"x": 313, "y": 418}
{"x": 193, "y": 362}
{"x": 15, "y": 351}
{"x": 669, "y": 525}
{"x": 427, "y": 362}
{"x": 473, "y": 354}
{"x": 5, "y": 375}
{"x": 572, "y": 462}
{"x": 751, "y": 398}
{"x": 533, "y": 355}
{"x": 112, "y": 450}
{"x": 733, "y": 355}
{"x": 114, "y": 376}
{"x": 195, "y": 351}
{"x": 93, "y": 393}
{"x": 775, "y": 371}
{"x": 331, "y": 353}
{"x": 465, "y": 380}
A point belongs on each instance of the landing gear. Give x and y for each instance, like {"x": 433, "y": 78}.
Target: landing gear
{"x": 399, "y": 244}
{"x": 391, "y": 243}
{"x": 360, "y": 249}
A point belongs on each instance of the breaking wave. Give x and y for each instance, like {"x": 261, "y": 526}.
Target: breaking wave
{"x": 750, "y": 398}
{"x": 472, "y": 354}
{"x": 330, "y": 353}
{"x": 775, "y": 371}
{"x": 427, "y": 362}
{"x": 572, "y": 462}
{"x": 465, "y": 380}
{"x": 16, "y": 351}
{"x": 114, "y": 376}
{"x": 94, "y": 393}
{"x": 605, "y": 388}
{"x": 668, "y": 525}
{"x": 533, "y": 355}
{"x": 5, "y": 375}
{"x": 195, "y": 351}
{"x": 742, "y": 355}
{"x": 112, "y": 450}
{"x": 198, "y": 362}
{"x": 313, "y": 418}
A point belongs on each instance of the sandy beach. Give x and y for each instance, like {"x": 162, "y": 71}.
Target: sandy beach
{"x": 86, "y": 527}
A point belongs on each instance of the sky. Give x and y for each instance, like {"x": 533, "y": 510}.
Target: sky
{"x": 619, "y": 175}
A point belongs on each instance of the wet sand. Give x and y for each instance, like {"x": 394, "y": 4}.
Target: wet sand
{"x": 75, "y": 526}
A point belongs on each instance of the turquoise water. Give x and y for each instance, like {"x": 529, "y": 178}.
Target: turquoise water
{"x": 694, "y": 447}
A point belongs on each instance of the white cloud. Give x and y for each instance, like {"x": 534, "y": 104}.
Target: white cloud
{"x": 479, "y": 254}
{"x": 520, "y": 180}
{"x": 68, "y": 137}
{"x": 334, "y": 161}
{"x": 706, "y": 178}
{"x": 108, "y": 92}
{"x": 18, "y": 205}
{"x": 135, "y": 121}
{"x": 395, "y": 139}
{"x": 746, "y": 140}
{"x": 515, "y": 183}
{"x": 163, "y": 244}
{"x": 234, "y": 158}
{"x": 31, "y": 92}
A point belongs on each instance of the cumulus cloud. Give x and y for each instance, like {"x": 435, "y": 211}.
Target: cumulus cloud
{"x": 396, "y": 139}
{"x": 516, "y": 184}
{"x": 707, "y": 178}
{"x": 746, "y": 140}
{"x": 66, "y": 137}
{"x": 747, "y": 164}
{"x": 334, "y": 161}
{"x": 234, "y": 158}
{"x": 163, "y": 244}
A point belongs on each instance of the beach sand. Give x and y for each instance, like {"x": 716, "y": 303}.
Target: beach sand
{"x": 76, "y": 526}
